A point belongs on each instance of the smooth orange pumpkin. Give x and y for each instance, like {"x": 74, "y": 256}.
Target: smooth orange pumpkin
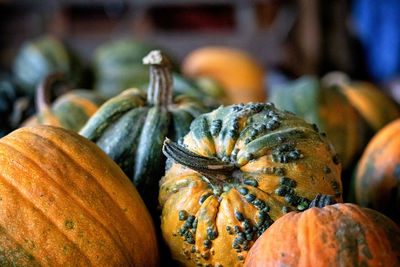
{"x": 237, "y": 71}
{"x": 64, "y": 202}
{"x": 335, "y": 235}
{"x": 377, "y": 183}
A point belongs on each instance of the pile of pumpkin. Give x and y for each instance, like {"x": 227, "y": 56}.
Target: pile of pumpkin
{"x": 155, "y": 168}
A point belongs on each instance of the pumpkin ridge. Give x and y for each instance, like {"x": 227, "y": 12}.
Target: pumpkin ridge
{"x": 45, "y": 217}
{"x": 95, "y": 180}
{"x": 116, "y": 239}
{"x": 299, "y": 132}
{"x": 363, "y": 217}
{"x": 13, "y": 240}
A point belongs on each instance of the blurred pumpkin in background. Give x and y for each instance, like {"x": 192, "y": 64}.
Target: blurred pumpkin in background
{"x": 377, "y": 183}
{"x": 118, "y": 65}
{"x": 329, "y": 109}
{"x": 71, "y": 110}
{"x": 40, "y": 57}
{"x": 238, "y": 72}
{"x": 375, "y": 106}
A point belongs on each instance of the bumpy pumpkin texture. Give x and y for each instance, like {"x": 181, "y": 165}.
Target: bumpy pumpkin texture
{"x": 132, "y": 126}
{"x": 239, "y": 169}
{"x": 64, "y": 202}
{"x": 378, "y": 174}
{"x": 335, "y": 235}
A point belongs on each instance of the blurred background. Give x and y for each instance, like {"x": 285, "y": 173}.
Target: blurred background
{"x": 299, "y": 37}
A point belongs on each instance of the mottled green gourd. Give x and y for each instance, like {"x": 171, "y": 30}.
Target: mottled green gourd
{"x": 39, "y": 57}
{"x": 239, "y": 169}
{"x": 132, "y": 126}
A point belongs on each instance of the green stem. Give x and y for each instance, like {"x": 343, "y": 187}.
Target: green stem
{"x": 322, "y": 200}
{"x": 43, "y": 91}
{"x": 160, "y": 87}
{"x": 215, "y": 170}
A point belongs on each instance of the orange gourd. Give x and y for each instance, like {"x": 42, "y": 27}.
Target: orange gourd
{"x": 333, "y": 235}
{"x": 237, "y": 71}
{"x": 377, "y": 183}
{"x": 64, "y": 202}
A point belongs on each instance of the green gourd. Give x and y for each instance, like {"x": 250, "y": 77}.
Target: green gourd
{"x": 132, "y": 126}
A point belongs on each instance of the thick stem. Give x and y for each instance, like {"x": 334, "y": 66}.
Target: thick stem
{"x": 160, "y": 87}
{"x": 43, "y": 91}
{"x": 215, "y": 170}
{"x": 321, "y": 201}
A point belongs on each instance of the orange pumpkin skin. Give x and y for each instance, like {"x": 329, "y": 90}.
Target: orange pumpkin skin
{"x": 64, "y": 202}
{"x": 336, "y": 235}
{"x": 378, "y": 174}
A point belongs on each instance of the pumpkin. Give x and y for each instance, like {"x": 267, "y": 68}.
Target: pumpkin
{"x": 131, "y": 127}
{"x": 118, "y": 66}
{"x": 70, "y": 110}
{"x": 64, "y": 202}
{"x": 39, "y": 57}
{"x": 239, "y": 169}
{"x": 329, "y": 109}
{"x": 334, "y": 235}
{"x": 377, "y": 183}
{"x": 237, "y": 71}
{"x": 377, "y": 108}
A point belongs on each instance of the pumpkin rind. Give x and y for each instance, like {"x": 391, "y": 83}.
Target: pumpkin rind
{"x": 336, "y": 235}
{"x": 132, "y": 126}
{"x": 64, "y": 202}
{"x": 377, "y": 183}
{"x": 274, "y": 163}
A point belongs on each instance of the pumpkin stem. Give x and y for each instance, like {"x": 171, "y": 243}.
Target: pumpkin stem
{"x": 322, "y": 200}
{"x": 43, "y": 91}
{"x": 215, "y": 170}
{"x": 160, "y": 87}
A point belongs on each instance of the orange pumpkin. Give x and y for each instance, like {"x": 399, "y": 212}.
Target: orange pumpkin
{"x": 64, "y": 202}
{"x": 334, "y": 235}
{"x": 377, "y": 183}
{"x": 237, "y": 71}
{"x": 377, "y": 108}
{"x": 239, "y": 169}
